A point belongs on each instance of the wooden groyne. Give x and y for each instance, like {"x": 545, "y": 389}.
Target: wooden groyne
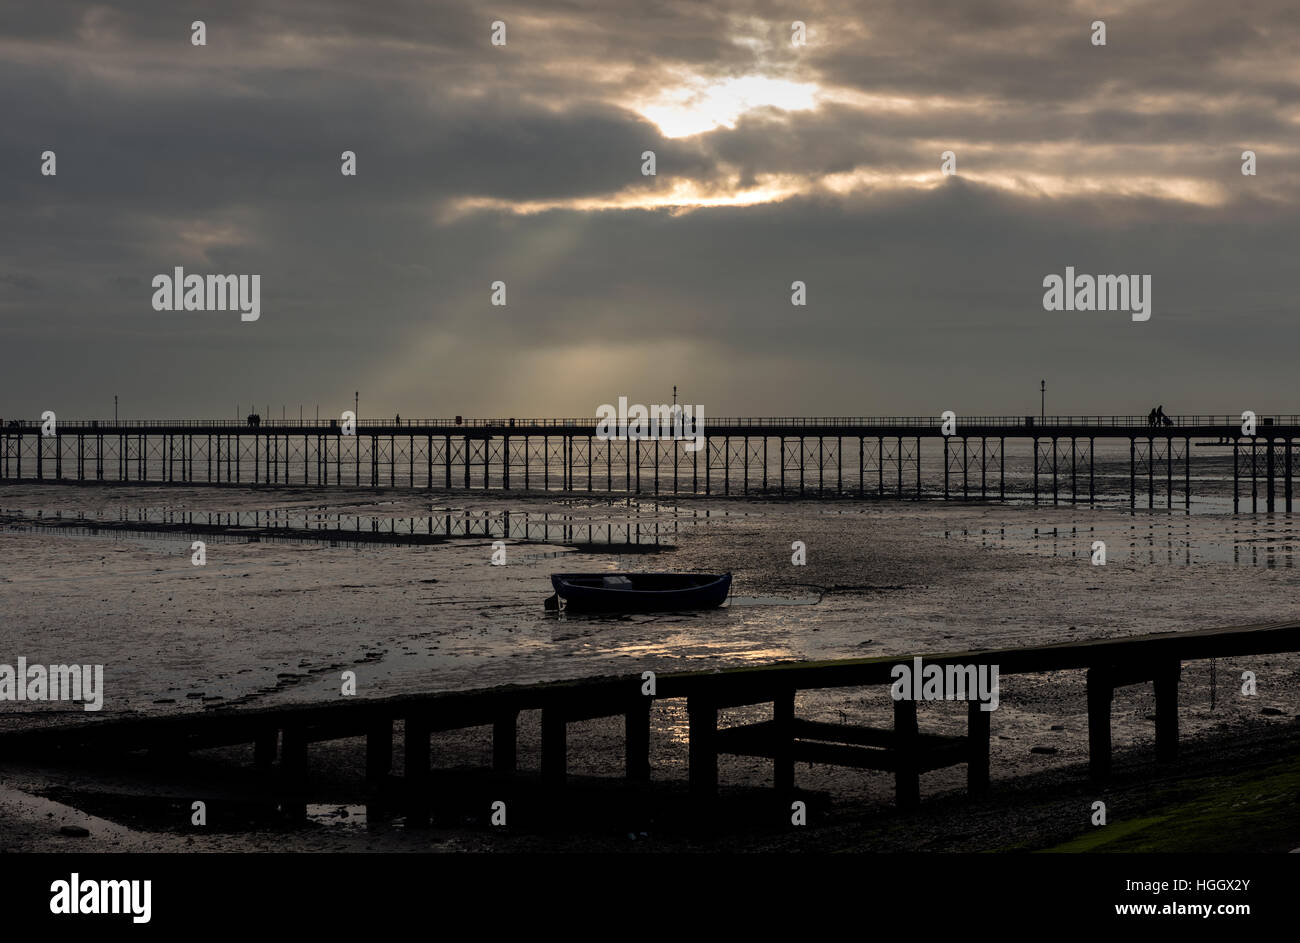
{"x": 810, "y": 456}
{"x": 904, "y": 750}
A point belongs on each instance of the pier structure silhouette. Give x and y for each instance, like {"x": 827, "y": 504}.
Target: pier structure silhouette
{"x": 774, "y": 456}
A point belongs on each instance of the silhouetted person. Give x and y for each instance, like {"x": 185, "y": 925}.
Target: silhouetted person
{"x": 1161, "y": 419}
{"x": 1151, "y": 417}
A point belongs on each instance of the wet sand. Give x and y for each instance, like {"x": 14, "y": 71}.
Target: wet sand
{"x": 279, "y": 621}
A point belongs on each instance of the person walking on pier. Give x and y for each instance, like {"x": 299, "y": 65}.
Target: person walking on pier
{"x": 1161, "y": 418}
{"x": 1151, "y": 417}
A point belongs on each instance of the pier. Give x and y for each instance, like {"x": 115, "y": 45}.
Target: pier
{"x": 788, "y": 457}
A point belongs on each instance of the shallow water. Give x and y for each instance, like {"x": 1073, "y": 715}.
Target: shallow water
{"x": 1271, "y": 541}
{"x": 275, "y": 621}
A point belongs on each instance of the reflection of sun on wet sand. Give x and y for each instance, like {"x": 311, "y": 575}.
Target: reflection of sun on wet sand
{"x": 277, "y": 622}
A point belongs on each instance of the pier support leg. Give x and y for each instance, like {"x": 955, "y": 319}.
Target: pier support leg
{"x": 880, "y": 464}
{"x": 1002, "y": 468}
{"x": 821, "y": 467}
{"x": 899, "y": 455}
{"x": 1074, "y": 471}
{"x": 1132, "y": 473}
{"x": 726, "y": 464}
{"x": 1055, "y": 479}
{"x": 1236, "y": 477}
{"x": 917, "y": 453}
{"x": 1169, "y": 472}
{"x": 1269, "y": 470}
{"x": 782, "y": 466}
{"x": 1151, "y": 473}
{"x": 945, "y": 468}
{"x": 802, "y": 450}
{"x": 1254, "y": 475}
{"x": 1035, "y": 470}
{"x": 984, "y": 467}
{"x": 965, "y": 471}
{"x": 1288, "y": 476}
{"x": 862, "y": 484}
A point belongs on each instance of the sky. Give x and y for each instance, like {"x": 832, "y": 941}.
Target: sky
{"x": 522, "y": 163}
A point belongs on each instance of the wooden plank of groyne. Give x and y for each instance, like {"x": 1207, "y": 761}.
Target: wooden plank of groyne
{"x": 1166, "y": 690}
{"x": 907, "y": 775}
{"x": 608, "y": 696}
{"x": 379, "y": 749}
{"x": 1109, "y": 662}
{"x": 555, "y": 730}
{"x": 750, "y": 685}
{"x": 702, "y": 719}
{"x": 978, "y": 735}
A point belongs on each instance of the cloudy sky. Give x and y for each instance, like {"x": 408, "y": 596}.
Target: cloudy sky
{"x": 522, "y": 163}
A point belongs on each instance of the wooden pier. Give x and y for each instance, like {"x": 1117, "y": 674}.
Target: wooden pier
{"x": 904, "y": 750}
{"x": 861, "y": 457}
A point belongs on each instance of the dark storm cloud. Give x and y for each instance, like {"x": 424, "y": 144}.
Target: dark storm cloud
{"x": 226, "y": 159}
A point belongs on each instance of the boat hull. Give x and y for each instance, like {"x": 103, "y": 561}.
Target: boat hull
{"x": 646, "y": 592}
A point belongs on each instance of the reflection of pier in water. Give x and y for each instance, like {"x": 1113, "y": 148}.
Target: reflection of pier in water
{"x": 1266, "y": 542}
{"x": 660, "y": 529}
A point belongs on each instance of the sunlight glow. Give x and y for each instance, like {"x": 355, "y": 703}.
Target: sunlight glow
{"x": 701, "y": 105}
